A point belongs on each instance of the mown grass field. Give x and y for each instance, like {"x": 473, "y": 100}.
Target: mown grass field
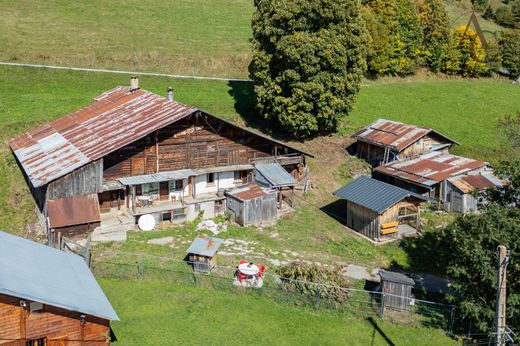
{"x": 176, "y": 36}
{"x": 157, "y": 313}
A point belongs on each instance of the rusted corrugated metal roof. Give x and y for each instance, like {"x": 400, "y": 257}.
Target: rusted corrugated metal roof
{"x": 470, "y": 182}
{"x": 72, "y": 211}
{"x": 395, "y": 135}
{"x": 117, "y": 118}
{"x": 431, "y": 168}
{"x": 249, "y": 191}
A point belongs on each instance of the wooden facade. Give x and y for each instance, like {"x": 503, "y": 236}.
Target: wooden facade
{"x": 377, "y": 154}
{"x": 195, "y": 142}
{"x": 259, "y": 210}
{"x": 397, "y": 291}
{"x": 22, "y": 321}
{"x": 378, "y": 226}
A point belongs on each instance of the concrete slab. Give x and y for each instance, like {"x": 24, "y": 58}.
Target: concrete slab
{"x": 161, "y": 241}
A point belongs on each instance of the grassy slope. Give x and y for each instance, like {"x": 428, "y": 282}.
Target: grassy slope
{"x": 32, "y": 96}
{"x": 177, "y": 36}
{"x": 166, "y": 314}
{"x": 459, "y": 12}
{"x": 466, "y": 111}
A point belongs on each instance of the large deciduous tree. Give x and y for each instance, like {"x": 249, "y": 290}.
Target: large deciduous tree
{"x": 308, "y": 62}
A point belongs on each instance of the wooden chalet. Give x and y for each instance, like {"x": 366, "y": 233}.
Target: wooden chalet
{"x": 386, "y": 141}
{"x": 428, "y": 175}
{"x": 49, "y": 297}
{"x": 135, "y": 153}
{"x": 380, "y": 211}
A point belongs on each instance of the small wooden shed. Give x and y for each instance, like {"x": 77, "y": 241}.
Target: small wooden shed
{"x": 459, "y": 191}
{"x": 252, "y": 204}
{"x": 379, "y": 210}
{"x": 202, "y": 253}
{"x": 397, "y": 290}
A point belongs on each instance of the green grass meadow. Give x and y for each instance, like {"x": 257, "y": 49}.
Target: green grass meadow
{"x": 158, "y": 313}
{"x": 175, "y": 36}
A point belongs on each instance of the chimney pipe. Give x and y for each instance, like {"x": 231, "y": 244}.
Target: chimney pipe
{"x": 169, "y": 92}
{"x": 134, "y": 83}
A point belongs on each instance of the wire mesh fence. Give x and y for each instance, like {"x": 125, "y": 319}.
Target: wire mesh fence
{"x": 346, "y": 300}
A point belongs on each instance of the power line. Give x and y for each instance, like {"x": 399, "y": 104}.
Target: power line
{"x": 84, "y": 69}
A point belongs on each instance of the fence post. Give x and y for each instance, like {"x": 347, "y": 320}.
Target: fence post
{"x": 140, "y": 271}
{"x": 318, "y": 296}
{"x": 383, "y": 306}
{"x": 452, "y": 315}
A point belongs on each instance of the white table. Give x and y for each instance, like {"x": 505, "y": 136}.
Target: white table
{"x": 145, "y": 200}
{"x": 248, "y": 269}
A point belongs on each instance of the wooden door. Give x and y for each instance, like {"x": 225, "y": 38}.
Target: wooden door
{"x": 164, "y": 190}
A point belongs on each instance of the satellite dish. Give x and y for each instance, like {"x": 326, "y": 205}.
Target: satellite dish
{"x": 146, "y": 222}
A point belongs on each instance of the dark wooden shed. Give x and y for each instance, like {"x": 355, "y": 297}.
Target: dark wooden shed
{"x": 397, "y": 290}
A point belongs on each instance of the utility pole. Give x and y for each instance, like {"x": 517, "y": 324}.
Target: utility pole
{"x": 500, "y": 312}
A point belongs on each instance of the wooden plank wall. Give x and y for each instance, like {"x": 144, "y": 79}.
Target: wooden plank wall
{"x": 399, "y": 295}
{"x": 363, "y": 220}
{"x": 422, "y": 146}
{"x": 194, "y": 142}
{"x": 83, "y": 181}
{"x": 52, "y": 322}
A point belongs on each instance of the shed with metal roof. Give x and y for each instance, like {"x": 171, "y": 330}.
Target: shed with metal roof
{"x": 72, "y": 217}
{"x": 379, "y": 210}
{"x": 252, "y": 204}
{"x": 386, "y": 141}
{"x": 202, "y": 253}
{"x": 397, "y": 290}
{"x": 45, "y": 292}
{"x": 459, "y": 194}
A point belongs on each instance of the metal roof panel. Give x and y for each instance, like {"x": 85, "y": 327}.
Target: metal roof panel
{"x": 43, "y": 274}
{"x": 373, "y": 194}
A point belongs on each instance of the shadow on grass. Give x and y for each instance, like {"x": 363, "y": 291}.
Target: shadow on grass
{"x": 427, "y": 252}
{"x": 244, "y": 96}
{"x": 336, "y": 210}
{"x": 380, "y": 331}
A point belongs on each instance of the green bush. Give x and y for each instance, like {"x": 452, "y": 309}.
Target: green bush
{"x": 308, "y": 62}
{"x": 298, "y": 277}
